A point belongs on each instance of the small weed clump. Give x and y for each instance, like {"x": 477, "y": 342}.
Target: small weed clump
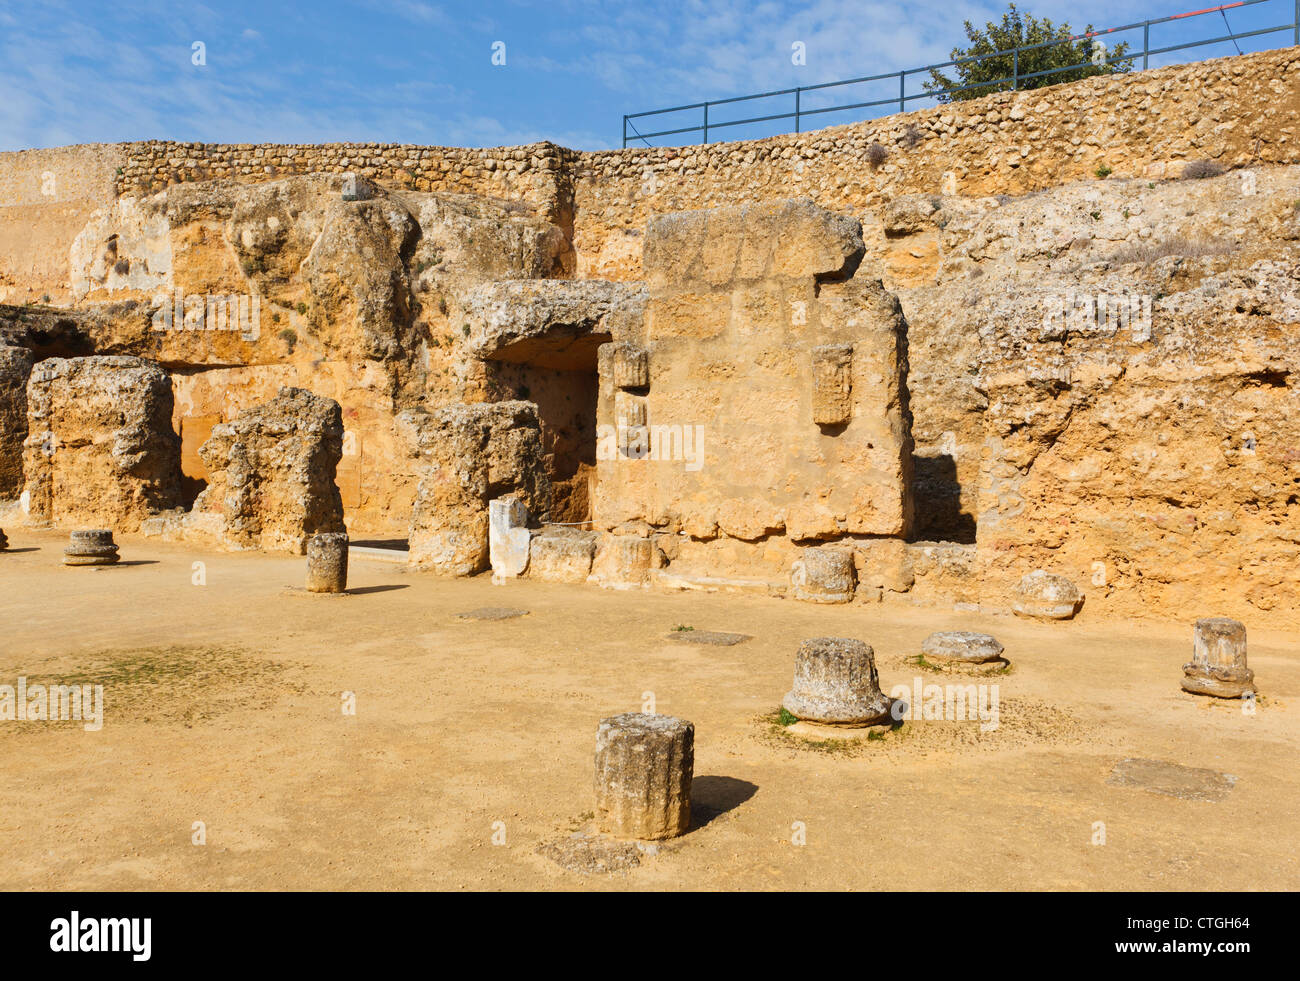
{"x": 1200, "y": 169}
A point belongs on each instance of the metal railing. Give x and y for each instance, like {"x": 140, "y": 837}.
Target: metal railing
{"x": 904, "y": 97}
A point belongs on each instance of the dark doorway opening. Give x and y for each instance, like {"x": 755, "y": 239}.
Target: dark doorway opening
{"x": 561, "y": 379}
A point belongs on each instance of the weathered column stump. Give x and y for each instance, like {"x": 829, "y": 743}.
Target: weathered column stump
{"x": 644, "y": 765}
{"x": 823, "y": 575}
{"x": 835, "y": 683}
{"x": 1043, "y": 596}
{"x": 92, "y": 547}
{"x": 4, "y": 540}
{"x": 1218, "y": 665}
{"x": 964, "y": 650}
{"x": 327, "y": 563}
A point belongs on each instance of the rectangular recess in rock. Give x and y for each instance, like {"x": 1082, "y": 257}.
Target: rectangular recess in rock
{"x": 832, "y": 384}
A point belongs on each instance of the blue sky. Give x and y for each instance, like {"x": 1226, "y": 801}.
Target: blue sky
{"x": 420, "y": 71}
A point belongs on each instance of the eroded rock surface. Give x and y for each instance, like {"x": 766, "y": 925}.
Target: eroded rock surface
{"x": 100, "y": 449}
{"x": 272, "y": 475}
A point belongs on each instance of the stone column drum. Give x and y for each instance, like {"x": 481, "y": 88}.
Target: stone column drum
{"x": 823, "y": 575}
{"x": 92, "y": 547}
{"x": 327, "y": 563}
{"x": 644, "y": 765}
{"x": 1043, "y": 596}
{"x": 835, "y": 683}
{"x": 1218, "y": 665}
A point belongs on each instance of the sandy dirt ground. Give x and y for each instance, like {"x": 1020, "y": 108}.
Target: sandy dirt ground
{"x": 472, "y": 741}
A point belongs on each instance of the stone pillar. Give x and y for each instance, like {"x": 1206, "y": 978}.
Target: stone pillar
{"x": 508, "y": 538}
{"x": 93, "y": 547}
{"x": 644, "y": 765}
{"x": 823, "y": 575}
{"x": 327, "y": 563}
{"x": 835, "y": 683}
{"x": 1218, "y": 665}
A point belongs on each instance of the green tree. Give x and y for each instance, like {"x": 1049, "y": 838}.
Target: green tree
{"x": 1016, "y": 31}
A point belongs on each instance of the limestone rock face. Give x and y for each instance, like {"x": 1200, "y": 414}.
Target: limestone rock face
{"x": 100, "y": 448}
{"x": 15, "y": 368}
{"x": 910, "y": 214}
{"x": 1043, "y": 596}
{"x": 644, "y": 766}
{"x": 792, "y": 238}
{"x": 471, "y": 454}
{"x": 548, "y": 323}
{"x": 469, "y": 239}
{"x": 1218, "y": 665}
{"x": 358, "y": 279}
{"x": 835, "y": 683}
{"x": 1103, "y": 381}
{"x": 272, "y": 474}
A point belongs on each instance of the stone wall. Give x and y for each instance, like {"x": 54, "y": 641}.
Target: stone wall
{"x": 1236, "y": 111}
{"x": 533, "y": 174}
{"x": 765, "y": 399}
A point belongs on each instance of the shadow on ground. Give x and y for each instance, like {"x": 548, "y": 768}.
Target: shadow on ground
{"x": 711, "y": 797}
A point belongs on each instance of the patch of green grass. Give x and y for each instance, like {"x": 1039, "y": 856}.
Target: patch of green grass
{"x": 785, "y": 718}
{"x": 920, "y": 661}
{"x": 1103, "y": 171}
{"x": 682, "y": 626}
